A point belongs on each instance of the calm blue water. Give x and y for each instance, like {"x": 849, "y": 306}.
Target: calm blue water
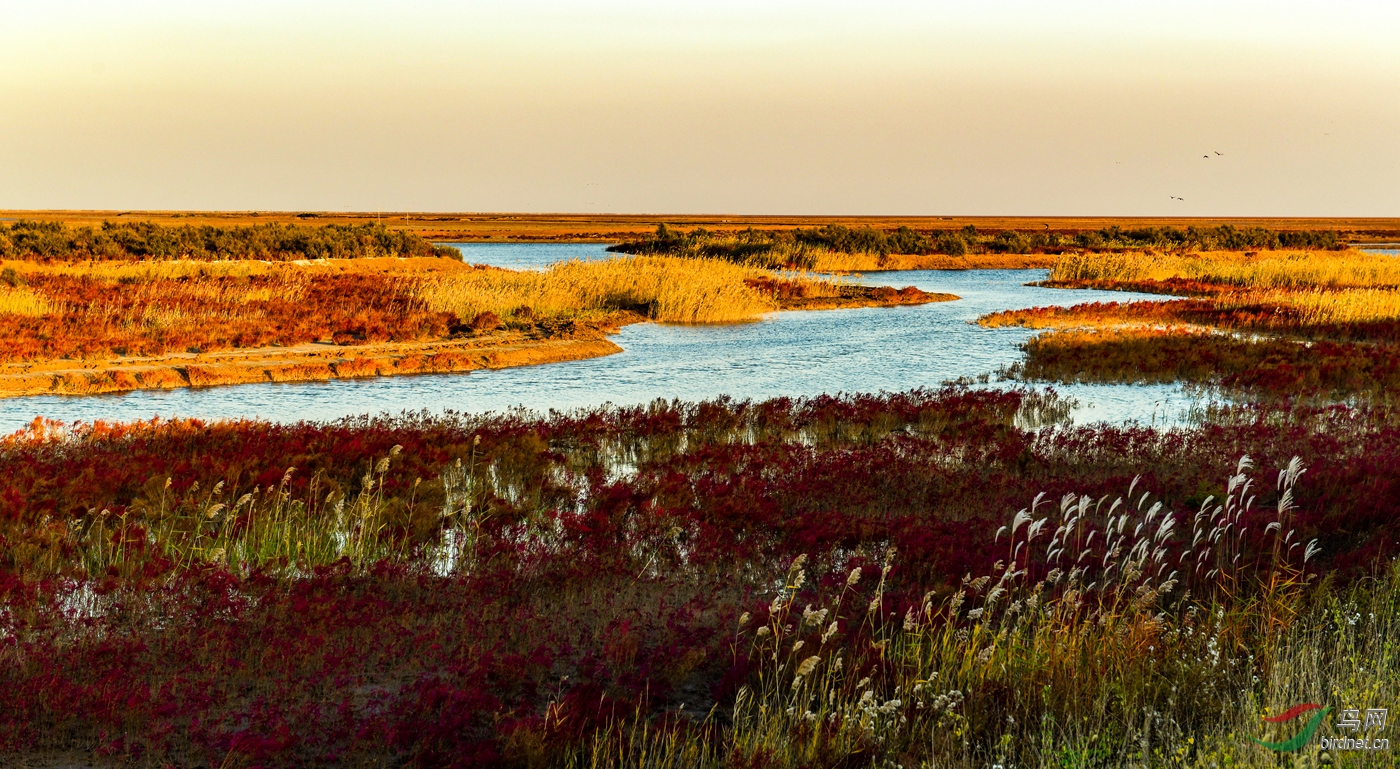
{"x": 789, "y": 353}
{"x": 530, "y": 256}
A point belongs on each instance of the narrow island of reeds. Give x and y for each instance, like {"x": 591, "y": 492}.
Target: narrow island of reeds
{"x": 131, "y": 306}
{"x": 1276, "y": 324}
{"x": 933, "y": 578}
{"x": 835, "y": 248}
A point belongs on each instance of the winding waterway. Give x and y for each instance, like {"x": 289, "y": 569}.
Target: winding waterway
{"x": 788, "y": 353}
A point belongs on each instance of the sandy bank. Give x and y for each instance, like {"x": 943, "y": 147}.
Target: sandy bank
{"x": 303, "y": 363}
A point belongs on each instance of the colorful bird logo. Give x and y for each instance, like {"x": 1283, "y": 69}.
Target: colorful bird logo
{"x": 1301, "y": 738}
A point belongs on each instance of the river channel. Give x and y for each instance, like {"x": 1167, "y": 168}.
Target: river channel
{"x": 787, "y": 353}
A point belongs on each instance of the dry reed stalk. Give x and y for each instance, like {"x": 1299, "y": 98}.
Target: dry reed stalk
{"x": 1356, "y": 305}
{"x": 22, "y": 301}
{"x": 1104, "y": 660}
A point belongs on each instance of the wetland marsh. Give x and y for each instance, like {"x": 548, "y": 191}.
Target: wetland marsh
{"x": 785, "y": 354}
{"x": 780, "y": 542}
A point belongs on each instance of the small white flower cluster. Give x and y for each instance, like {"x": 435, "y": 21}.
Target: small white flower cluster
{"x": 946, "y": 702}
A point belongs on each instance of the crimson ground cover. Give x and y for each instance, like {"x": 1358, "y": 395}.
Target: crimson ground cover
{"x": 608, "y": 554}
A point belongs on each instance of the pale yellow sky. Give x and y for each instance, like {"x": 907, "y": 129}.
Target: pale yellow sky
{"x": 746, "y": 107}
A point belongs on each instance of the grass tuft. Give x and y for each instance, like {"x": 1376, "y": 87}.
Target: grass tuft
{"x": 666, "y": 289}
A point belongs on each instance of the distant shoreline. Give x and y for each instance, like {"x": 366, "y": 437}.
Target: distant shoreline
{"x": 497, "y": 227}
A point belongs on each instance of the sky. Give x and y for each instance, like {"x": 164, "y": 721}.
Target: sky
{"x": 997, "y": 107}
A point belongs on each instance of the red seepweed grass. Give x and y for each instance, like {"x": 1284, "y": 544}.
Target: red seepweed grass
{"x": 509, "y": 590}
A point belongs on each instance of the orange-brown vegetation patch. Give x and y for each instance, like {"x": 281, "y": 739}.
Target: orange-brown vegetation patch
{"x": 1173, "y": 286}
{"x": 98, "y": 314}
{"x": 805, "y": 295}
{"x": 1240, "y": 312}
{"x": 1285, "y": 324}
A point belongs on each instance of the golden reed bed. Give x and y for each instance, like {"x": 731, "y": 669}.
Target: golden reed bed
{"x": 96, "y": 327}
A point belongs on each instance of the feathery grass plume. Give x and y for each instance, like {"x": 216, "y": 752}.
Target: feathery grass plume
{"x": 1087, "y": 662}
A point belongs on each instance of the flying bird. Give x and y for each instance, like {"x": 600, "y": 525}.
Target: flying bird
{"x": 1207, "y": 157}
{"x": 1219, "y": 152}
